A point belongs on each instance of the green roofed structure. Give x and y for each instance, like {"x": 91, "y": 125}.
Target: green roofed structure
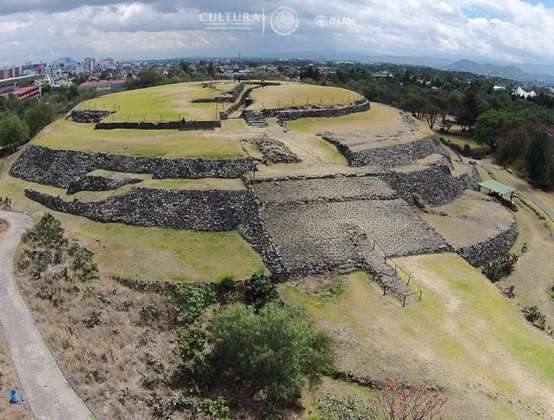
{"x": 497, "y": 188}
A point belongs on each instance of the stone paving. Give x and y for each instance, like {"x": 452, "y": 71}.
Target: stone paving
{"x": 339, "y": 188}
{"x": 320, "y": 235}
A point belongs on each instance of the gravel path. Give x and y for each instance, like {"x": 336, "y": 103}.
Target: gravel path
{"x": 45, "y": 387}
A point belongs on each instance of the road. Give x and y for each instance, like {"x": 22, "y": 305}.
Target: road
{"x": 502, "y": 175}
{"x": 45, "y": 388}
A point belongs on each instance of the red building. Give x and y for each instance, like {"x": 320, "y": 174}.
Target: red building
{"x": 23, "y": 93}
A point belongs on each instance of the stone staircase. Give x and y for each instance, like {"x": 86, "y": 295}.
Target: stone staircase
{"x": 387, "y": 277}
{"x": 385, "y": 274}
{"x": 254, "y": 118}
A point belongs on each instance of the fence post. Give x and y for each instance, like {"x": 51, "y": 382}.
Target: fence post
{"x": 420, "y": 294}
{"x": 404, "y": 301}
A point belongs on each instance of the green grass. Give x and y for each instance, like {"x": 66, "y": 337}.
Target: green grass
{"x": 288, "y": 94}
{"x": 167, "y": 254}
{"x": 463, "y": 325}
{"x": 68, "y": 135}
{"x": 167, "y": 102}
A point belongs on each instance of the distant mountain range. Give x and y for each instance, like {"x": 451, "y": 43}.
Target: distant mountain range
{"x": 524, "y": 72}
{"x": 495, "y": 70}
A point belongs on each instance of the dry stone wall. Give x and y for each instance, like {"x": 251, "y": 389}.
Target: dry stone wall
{"x": 316, "y": 111}
{"x": 435, "y": 185}
{"x": 388, "y": 156}
{"x": 183, "y": 125}
{"x": 491, "y": 248}
{"x": 212, "y": 210}
{"x": 230, "y": 96}
{"x": 60, "y": 168}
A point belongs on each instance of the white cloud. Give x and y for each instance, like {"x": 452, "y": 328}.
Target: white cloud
{"x": 510, "y": 30}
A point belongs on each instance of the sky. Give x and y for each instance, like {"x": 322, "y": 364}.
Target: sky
{"x": 513, "y": 31}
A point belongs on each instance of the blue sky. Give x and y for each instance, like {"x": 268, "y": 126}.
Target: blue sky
{"x": 489, "y": 30}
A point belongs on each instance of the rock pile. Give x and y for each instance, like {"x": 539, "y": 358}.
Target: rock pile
{"x": 89, "y": 115}
{"x": 273, "y": 150}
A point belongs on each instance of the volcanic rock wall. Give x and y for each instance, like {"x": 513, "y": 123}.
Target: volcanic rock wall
{"x": 60, "y": 168}
{"x": 491, "y": 248}
{"x": 316, "y": 111}
{"x": 388, "y": 156}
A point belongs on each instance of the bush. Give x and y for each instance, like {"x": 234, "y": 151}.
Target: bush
{"x": 13, "y": 130}
{"x": 499, "y": 267}
{"x": 534, "y": 316}
{"x": 48, "y": 232}
{"x": 82, "y": 263}
{"x": 275, "y": 351}
{"x": 227, "y": 285}
{"x": 334, "y": 407}
{"x": 259, "y": 289}
{"x": 193, "y": 301}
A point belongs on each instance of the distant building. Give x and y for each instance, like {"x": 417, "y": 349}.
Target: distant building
{"x": 90, "y": 64}
{"x": 10, "y": 72}
{"x": 524, "y": 94}
{"x": 23, "y": 93}
{"x": 498, "y": 88}
{"x": 104, "y": 85}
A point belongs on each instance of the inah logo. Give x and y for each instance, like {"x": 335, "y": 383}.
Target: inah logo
{"x": 284, "y": 20}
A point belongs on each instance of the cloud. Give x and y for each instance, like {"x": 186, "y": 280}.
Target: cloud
{"x": 507, "y": 30}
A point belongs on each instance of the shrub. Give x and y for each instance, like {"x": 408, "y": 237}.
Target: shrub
{"x": 334, "y": 407}
{"x": 47, "y": 232}
{"x": 499, "y": 267}
{"x": 414, "y": 403}
{"x": 275, "y": 351}
{"x": 82, "y": 264}
{"x": 193, "y": 301}
{"x": 259, "y": 289}
{"x": 227, "y": 285}
{"x": 534, "y": 316}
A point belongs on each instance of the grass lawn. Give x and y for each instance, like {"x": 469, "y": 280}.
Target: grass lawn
{"x": 68, "y": 135}
{"x": 167, "y": 102}
{"x": 464, "y": 335}
{"x": 288, "y": 94}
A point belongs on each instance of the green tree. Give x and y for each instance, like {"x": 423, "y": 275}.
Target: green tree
{"x": 13, "y": 130}
{"x": 39, "y": 115}
{"x": 538, "y": 159}
{"x": 275, "y": 351}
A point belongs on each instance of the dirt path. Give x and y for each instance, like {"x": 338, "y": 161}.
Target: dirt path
{"x": 46, "y": 389}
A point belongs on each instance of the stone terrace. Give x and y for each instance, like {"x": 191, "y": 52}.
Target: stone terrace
{"x": 340, "y": 188}
{"x": 319, "y": 236}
